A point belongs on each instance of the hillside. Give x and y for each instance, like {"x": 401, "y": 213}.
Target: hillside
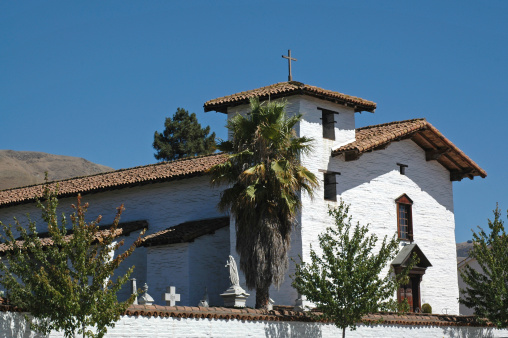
{"x": 22, "y": 168}
{"x": 463, "y": 249}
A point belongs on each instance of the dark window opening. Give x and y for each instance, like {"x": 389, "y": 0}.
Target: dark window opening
{"x": 328, "y": 120}
{"x": 330, "y": 185}
{"x": 404, "y": 218}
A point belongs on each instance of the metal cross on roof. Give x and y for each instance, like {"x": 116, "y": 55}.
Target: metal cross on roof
{"x": 290, "y": 77}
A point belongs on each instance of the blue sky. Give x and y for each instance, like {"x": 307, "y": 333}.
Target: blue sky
{"x": 96, "y": 79}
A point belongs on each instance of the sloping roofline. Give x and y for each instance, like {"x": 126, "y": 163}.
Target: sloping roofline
{"x": 284, "y": 89}
{"x": 370, "y": 138}
{"x": 159, "y": 172}
{"x": 123, "y": 229}
{"x": 436, "y": 146}
{"x": 405, "y": 255}
{"x": 185, "y": 232}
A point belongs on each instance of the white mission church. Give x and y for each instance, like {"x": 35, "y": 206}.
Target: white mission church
{"x": 396, "y": 176}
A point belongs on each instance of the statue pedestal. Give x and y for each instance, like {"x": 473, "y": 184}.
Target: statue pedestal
{"x": 300, "y": 304}
{"x": 235, "y": 296}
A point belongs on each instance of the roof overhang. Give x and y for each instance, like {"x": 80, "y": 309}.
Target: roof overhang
{"x": 123, "y": 229}
{"x": 405, "y": 255}
{"x": 186, "y": 232}
{"x": 153, "y": 173}
{"x": 285, "y": 89}
{"x": 437, "y": 147}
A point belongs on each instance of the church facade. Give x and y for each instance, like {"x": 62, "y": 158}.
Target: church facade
{"x": 396, "y": 176}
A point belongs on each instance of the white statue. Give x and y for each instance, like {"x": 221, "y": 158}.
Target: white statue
{"x": 235, "y": 296}
{"x": 233, "y": 271}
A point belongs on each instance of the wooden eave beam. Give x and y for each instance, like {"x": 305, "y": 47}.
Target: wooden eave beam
{"x": 435, "y": 154}
{"x": 351, "y": 155}
{"x": 428, "y": 140}
{"x": 382, "y": 146}
{"x": 455, "y": 163}
{"x": 458, "y": 175}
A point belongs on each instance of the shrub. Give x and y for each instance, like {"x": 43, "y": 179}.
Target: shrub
{"x": 426, "y": 308}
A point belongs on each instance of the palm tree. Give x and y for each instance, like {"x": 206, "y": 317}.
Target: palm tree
{"x": 264, "y": 177}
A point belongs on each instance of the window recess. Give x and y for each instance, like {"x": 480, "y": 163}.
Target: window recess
{"x": 404, "y": 218}
{"x": 328, "y": 122}
{"x": 402, "y": 168}
{"x": 330, "y": 184}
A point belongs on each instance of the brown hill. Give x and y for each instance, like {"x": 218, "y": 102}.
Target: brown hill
{"x": 463, "y": 249}
{"x": 22, "y": 168}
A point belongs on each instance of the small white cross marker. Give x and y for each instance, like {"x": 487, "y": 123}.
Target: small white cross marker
{"x": 171, "y": 297}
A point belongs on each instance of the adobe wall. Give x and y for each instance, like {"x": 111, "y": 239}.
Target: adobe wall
{"x": 473, "y": 263}
{"x": 371, "y": 185}
{"x": 161, "y": 204}
{"x": 190, "y": 267}
{"x": 230, "y": 324}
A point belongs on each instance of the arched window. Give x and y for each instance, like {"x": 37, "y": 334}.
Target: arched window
{"x": 404, "y": 218}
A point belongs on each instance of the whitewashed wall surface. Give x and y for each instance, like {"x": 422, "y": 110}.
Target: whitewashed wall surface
{"x": 12, "y": 325}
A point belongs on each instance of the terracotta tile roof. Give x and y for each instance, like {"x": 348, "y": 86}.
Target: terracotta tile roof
{"x": 164, "y": 171}
{"x": 283, "y": 89}
{"x": 282, "y": 313}
{"x": 123, "y": 229}
{"x": 436, "y": 146}
{"x": 186, "y": 232}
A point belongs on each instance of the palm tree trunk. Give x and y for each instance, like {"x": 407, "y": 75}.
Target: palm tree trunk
{"x": 262, "y": 296}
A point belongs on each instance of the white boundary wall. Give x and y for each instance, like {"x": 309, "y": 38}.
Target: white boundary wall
{"x": 12, "y": 325}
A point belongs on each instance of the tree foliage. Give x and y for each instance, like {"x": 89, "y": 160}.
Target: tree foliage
{"x": 65, "y": 280}
{"x": 182, "y": 137}
{"x": 487, "y": 290}
{"x": 264, "y": 177}
{"x": 345, "y": 281}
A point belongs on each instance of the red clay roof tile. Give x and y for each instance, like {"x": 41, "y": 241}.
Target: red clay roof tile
{"x": 123, "y": 229}
{"x": 284, "y": 89}
{"x": 422, "y": 133}
{"x": 164, "y": 171}
{"x": 279, "y": 313}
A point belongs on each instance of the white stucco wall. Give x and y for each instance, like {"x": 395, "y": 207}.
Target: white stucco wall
{"x": 12, "y": 326}
{"x": 190, "y": 267}
{"x": 310, "y": 126}
{"x": 161, "y": 204}
{"x": 473, "y": 263}
{"x": 371, "y": 184}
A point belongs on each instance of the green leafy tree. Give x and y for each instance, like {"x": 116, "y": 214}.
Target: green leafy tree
{"x": 182, "y": 137}
{"x": 487, "y": 290}
{"x": 65, "y": 280}
{"x": 345, "y": 281}
{"x": 264, "y": 177}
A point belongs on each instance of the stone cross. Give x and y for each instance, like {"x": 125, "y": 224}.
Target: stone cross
{"x": 171, "y": 297}
{"x": 290, "y": 77}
